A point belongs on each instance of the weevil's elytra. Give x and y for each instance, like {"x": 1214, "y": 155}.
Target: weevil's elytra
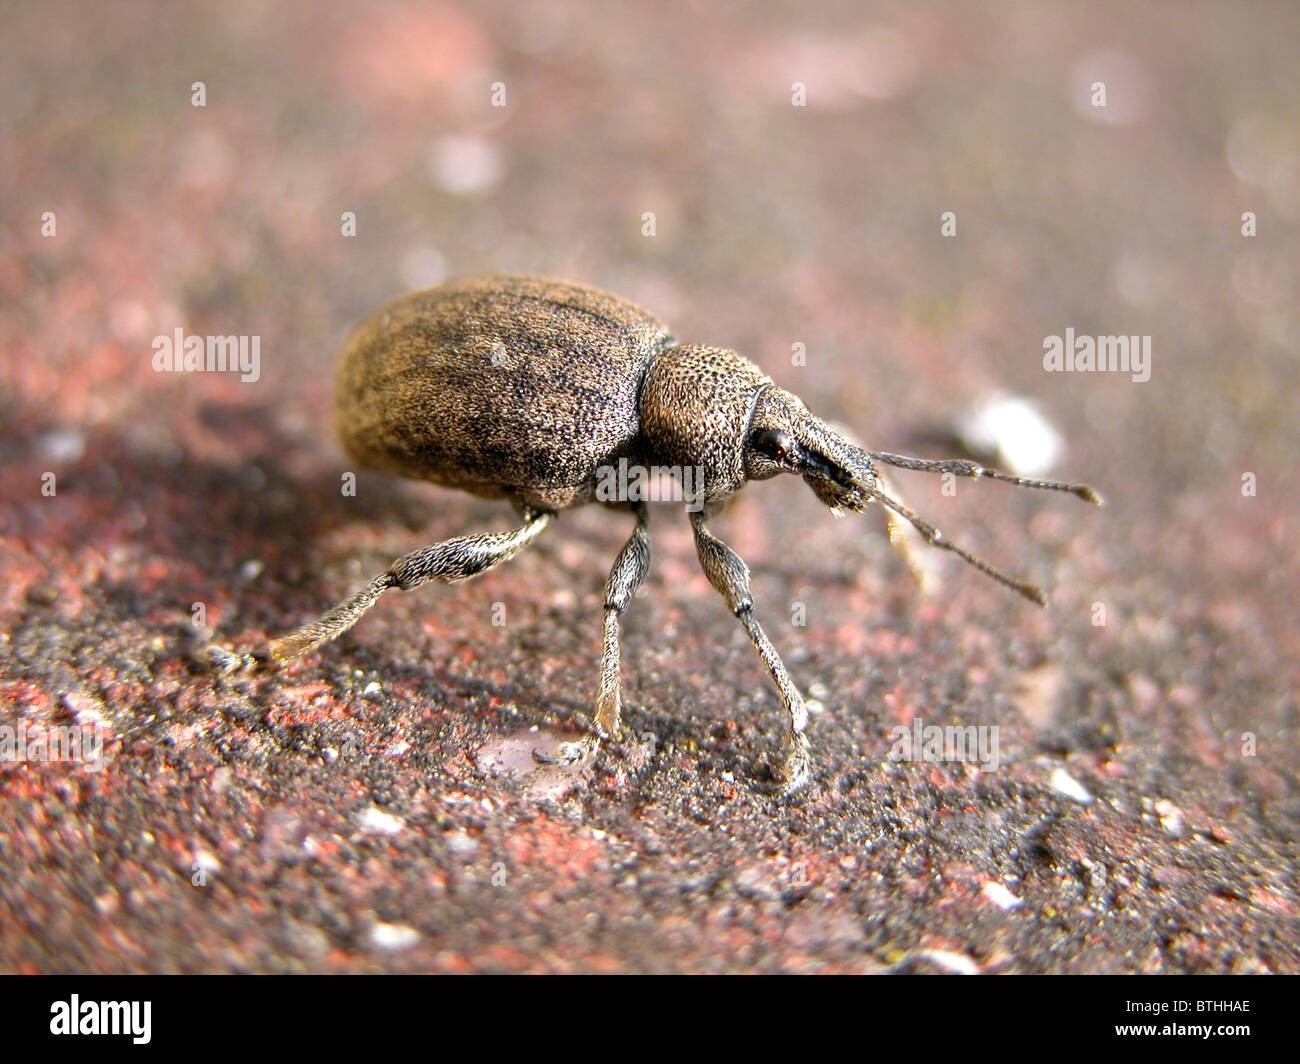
{"x": 519, "y": 388}
{"x": 525, "y": 389}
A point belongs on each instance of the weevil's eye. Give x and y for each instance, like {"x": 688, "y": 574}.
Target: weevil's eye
{"x": 775, "y": 444}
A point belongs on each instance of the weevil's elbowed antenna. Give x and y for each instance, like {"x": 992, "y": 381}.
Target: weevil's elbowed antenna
{"x": 960, "y": 467}
{"x": 975, "y": 471}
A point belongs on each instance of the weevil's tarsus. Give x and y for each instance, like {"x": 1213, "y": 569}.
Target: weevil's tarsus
{"x": 450, "y": 560}
{"x": 570, "y": 753}
{"x": 228, "y": 662}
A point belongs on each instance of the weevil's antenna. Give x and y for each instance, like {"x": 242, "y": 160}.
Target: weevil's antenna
{"x": 935, "y": 538}
{"x": 962, "y": 468}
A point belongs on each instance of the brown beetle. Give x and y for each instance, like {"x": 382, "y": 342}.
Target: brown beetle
{"x": 534, "y": 390}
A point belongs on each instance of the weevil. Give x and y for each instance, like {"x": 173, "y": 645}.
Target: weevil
{"x": 531, "y": 390}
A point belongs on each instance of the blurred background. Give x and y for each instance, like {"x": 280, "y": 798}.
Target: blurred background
{"x": 889, "y": 208}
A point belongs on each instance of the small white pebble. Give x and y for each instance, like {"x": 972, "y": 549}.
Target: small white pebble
{"x": 1015, "y": 431}
{"x": 1063, "y": 783}
{"x": 999, "y": 895}
{"x": 62, "y": 445}
{"x": 87, "y": 709}
{"x": 461, "y": 844}
{"x": 758, "y": 881}
{"x": 376, "y": 822}
{"x": 372, "y": 688}
{"x": 393, "y": 936}
{"x": 1171, "y": 817}
{"x": 949, "y": 961}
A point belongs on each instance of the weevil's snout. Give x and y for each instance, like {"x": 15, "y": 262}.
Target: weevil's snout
{"x": 785, "y": 438}
{"x": 840, "y": 473}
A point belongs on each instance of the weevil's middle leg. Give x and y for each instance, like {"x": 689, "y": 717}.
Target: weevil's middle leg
{"x": 628, "y": 574}
{"x": 729, "y": 574}
{"x": 450, "y": 560}
{"x": 907, "y": 541}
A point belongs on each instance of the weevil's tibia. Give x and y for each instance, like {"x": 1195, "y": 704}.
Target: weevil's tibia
{"x": 450, "y": 560}
{"x": 627, "y": 575}
{"x": 729, "y": 575}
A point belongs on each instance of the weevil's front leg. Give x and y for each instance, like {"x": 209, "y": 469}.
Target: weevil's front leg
{"x": 628, "y": 574}
{"x": 728, "y": 573}
{"x": 909, "y": 543}
{"x": 450, "y": 560}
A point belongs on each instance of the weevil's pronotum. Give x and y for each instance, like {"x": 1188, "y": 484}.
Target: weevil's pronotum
{"x": 532, "y": 390}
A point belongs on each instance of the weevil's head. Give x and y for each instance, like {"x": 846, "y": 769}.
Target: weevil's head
{"x": 715, "y": 412}
{"x": 784, "y": 437}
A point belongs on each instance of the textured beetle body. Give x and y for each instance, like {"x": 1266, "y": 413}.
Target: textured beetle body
{"x": 504, "y": 387}
{"x": 529, "y": 390}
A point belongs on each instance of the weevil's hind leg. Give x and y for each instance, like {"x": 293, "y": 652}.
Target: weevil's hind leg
{"x": 728, "y": 573}
{"x": 450, "y": 560}
{"x": 628, "y": 574}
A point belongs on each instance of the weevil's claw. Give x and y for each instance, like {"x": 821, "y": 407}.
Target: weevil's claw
{"x": 795, "y": 776}
{"x": 570, "y": 753}
{"x": 227, "y": 661}
{"x": 795, "y": 773}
